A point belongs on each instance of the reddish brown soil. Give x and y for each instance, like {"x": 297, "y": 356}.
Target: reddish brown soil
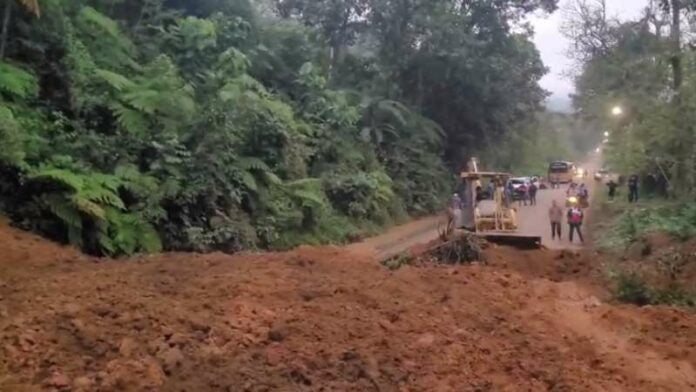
{"x": 324, "y": 319}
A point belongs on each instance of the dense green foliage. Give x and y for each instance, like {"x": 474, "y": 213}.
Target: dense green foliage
{"x": 643, "y": 273}
{"x": 137, "y": 125}
{"x": 645, "y": 68}
{"x": 629, "y": 225}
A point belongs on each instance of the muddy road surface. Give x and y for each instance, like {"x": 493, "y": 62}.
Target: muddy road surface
{"x": 326, "y": 319}
{"x": 533, "y": 221}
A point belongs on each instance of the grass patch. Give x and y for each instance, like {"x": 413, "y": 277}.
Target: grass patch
{"x": 650, "y": 279}
{"x": 631, "y": 288}
{"x": 623, "y": 223}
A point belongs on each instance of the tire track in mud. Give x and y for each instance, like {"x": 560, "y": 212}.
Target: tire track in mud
{"x": 566, "y": 306}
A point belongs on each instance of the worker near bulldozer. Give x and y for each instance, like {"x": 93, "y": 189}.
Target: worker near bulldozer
{"x": 556, "y": 218}
{"x": 455, "y": 210}
{"x": 575, "y": 218}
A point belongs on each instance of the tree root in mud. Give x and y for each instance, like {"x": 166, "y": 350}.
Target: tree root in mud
{"x": 460, "y": 248}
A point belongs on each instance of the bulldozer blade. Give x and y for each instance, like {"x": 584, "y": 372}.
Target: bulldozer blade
{"x": 514, "y": 240}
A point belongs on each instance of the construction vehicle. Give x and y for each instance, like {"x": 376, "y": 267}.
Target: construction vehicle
{"x": 493, "y": 218}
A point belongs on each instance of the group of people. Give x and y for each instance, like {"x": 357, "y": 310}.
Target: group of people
{"x": 577, "y": 197}
{"x": 632, "y": 188}
{"x": 575, "y": 216}
{"x": 526, "y": 193}
{"x": 579, "y": 193}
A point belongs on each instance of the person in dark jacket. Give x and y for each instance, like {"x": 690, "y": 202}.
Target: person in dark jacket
{"x": 532, "y": 193}
{"x": 633, "y": 189}
{"x": 523, "y": 192}
{"x": 612, "y": 188}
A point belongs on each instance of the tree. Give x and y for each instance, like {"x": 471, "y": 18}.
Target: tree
{"x": 30, "y": 5}
{"x": 207, "y": 125}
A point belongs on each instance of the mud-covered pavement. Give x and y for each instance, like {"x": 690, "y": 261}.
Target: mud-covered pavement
{"x": 326, "y": 319}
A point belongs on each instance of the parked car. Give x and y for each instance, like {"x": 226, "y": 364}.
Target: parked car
{"x": 601, "y": 174}
{"x": 517, "y": 182}
{"x": 605, "y": 175}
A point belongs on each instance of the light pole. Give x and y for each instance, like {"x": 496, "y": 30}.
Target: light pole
{"x": 616, "y": 111}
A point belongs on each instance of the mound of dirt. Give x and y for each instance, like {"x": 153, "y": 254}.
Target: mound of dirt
{"x": 21, "y": 248}
{"x": 324, "y": 319}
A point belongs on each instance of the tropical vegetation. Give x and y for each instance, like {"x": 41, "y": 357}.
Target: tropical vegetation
{"x": 141, "y": 125}
{"x": 637, "y": 84}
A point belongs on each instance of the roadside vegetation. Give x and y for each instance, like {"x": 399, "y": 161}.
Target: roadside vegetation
{"x": 637, "y": 83}
{"x": 142, "y": 125}
{"x": 649, "y": 249}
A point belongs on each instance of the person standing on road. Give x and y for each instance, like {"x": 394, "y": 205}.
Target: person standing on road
{"x": 509, "y": 194}
{"x": 456, "y": 202}
{"x": 456, "y": 210}
{"x": 491, "y": 189}
{"x": 572, "y": 190}
{"x": 575, "y": 218}
{"x": 612, "y": 188}
{"x": 555, "y": 217}
{"x": 523, "y": 191}
{"x": 633, "y": 189}
{"x": 532, "y": 194}
{"x": 584, "y": 196}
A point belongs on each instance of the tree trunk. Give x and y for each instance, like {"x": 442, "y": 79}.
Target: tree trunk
{"x": 5, "y": 27}
{"x": 677, "y": 73}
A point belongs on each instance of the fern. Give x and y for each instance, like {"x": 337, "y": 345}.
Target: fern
{"x": 67, "y": 213}
{"x": 117, "y": 81}
{"x": 17, "y": 82}
{"x": 249, "y": 181}
{"x": 158, "y": 99}
{"x": 131, "y": 120}
{"x": 12, "y": 150}
{"x": 71, "y": 180}
{"x": 105, "y": 25}
{"x": 308, "y": 192}
{"x": 128, "y": 233}
{"x": 253, "y": 163}
{"x": 79, "y": 197}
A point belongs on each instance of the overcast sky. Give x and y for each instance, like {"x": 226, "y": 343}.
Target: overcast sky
{"x": 553, "y": 47}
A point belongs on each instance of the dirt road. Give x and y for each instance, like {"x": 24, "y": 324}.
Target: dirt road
{"x": 324, "y": 319}
{"x": 533, "y": 221}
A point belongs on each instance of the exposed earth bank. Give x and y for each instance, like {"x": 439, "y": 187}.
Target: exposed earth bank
{"x": 326, "y": 319}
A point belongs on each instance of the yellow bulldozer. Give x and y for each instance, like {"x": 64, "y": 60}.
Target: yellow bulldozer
{"x": 487, "y": 213}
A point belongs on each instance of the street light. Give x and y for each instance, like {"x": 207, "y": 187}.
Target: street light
{"x": 606, "y": 133}
{"x": 617, "y": 111}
